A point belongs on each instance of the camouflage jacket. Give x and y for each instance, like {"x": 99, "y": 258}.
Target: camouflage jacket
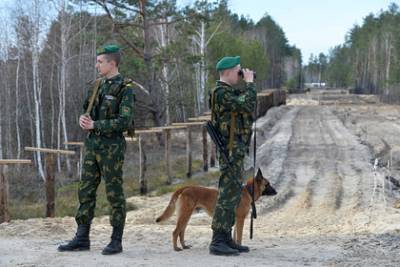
{"x": 112, "y": 110}
{"x": 233, "y": 108}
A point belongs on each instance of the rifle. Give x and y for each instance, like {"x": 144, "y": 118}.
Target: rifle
{"x": 220, "y": 145}
{"x": 93, "y": 97}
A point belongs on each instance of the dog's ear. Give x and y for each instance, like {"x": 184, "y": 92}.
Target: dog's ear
{"x": 259, "y": 175}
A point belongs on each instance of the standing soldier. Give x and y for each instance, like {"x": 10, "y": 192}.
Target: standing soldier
{"x": 108, "y": 113}
{"x": 231, "y": 111}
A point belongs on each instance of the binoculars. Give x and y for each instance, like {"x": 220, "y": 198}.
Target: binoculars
{"x": 241, "y": 74}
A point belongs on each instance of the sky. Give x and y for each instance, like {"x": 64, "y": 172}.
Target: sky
{"x": 314, "y": 26}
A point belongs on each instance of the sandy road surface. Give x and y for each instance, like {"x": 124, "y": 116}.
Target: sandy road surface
{"x": 317, "y": 153}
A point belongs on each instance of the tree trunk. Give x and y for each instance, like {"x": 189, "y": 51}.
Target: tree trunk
{"x": 167, "y": 143}
{"x": 4, "y": 190}
{"x": 201, "y": 72}
{"x": 50, "y": 185}
{"x": 1, "y": 138}
{"x": 30, "y": 109}
{"x": 142, "y": 166}
{"x": 163, "y": 42}
{"x": 148, "y": 58}
{"x": 37, "y": 90}
{"x": 52, "y": 115}
{"x": 388, "y": 60}
{"x": 17, "y": 107}
{"x": 65, "y": 29}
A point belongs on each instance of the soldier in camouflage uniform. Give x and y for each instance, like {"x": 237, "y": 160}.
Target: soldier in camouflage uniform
{"x": 111, "y": 115}
{"x": 232, "y": 116}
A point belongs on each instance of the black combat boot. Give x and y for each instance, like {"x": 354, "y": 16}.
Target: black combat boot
{"x": 219, "y": 245}
{"x": 232, "y": 244}
{"x": 115, "y": 246}
{"x": 80, "y": 241}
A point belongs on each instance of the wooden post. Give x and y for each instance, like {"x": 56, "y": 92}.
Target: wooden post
{"x": 142, "y": 167}
{"x": 50, "y": 185}
{"x": 167, "y": 143}
{"x": 205, "y": 149}
{"x": 199, "y": 121}
{"x": 189, "y": 151}
{"x": 4, "y": 189}
{"x": 142, "y": 156}
{"x": 213, "y": 154}
{"x": 79, "y": 164}
{"x": 50, "y": 175}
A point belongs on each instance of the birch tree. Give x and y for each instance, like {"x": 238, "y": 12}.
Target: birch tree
{"x": 36, "y": 84}
{"x": 200, "y": 42}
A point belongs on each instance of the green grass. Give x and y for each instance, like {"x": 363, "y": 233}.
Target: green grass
{"x": 67, "y": 198}
{"x": 157, "y": 182}
{"x": 26, "y": 210}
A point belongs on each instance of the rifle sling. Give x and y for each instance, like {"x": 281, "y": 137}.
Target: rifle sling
{"x": 93, "y": 96}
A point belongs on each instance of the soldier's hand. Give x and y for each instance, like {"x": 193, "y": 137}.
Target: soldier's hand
{"x": 86, "y": 122}
{"x": 248, "y": 75}
{"x": 81, "y": 120}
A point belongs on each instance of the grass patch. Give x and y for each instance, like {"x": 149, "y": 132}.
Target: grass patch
{"x": 26, "y": 210}
{"x": 67, "y": 195}
{"x": 157, "y": 178}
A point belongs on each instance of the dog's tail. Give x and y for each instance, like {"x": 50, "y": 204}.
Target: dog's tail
{"x": 169, "y": 210}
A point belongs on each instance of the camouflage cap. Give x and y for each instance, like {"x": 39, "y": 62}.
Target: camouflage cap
{"x": 227, "y": 63}
{"x": 108, "y": 49}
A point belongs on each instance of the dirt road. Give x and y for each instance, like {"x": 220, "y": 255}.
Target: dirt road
{"x": 334, "y": 207}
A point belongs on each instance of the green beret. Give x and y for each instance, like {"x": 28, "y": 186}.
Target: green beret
{"x": 228, "y": 63}
{"x": 107, "y": 49}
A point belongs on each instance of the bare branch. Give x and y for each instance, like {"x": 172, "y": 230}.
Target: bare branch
{"x": 118, "y": 4}
{"x": 128, "y": 24}
{"x": 129, "y": 43}
{"x": 215, "y": 31}
{"x": 169, "y": 22}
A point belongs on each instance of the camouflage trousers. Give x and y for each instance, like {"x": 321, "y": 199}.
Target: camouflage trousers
{"x": 102, "y": 159}
{"x": 229, "y": 190}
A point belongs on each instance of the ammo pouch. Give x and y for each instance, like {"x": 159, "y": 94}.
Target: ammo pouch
{"x": 116, "y": 92}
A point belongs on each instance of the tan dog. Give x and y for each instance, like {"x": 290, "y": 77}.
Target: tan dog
{"x": 189, "y": 198}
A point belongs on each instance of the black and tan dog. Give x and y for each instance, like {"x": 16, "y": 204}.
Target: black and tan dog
{"x": 188, "y": 198}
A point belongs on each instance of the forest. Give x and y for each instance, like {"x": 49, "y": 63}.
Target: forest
{"x": 48, "y": 53}
{"x": 368, "y": 61}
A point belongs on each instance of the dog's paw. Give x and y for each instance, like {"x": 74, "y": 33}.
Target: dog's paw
{"x": 187, "y": 247}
